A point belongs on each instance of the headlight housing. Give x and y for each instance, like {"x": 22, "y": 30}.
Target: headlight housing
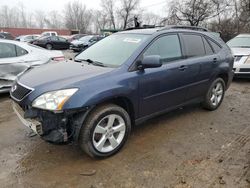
{"x": 53, "y": 100}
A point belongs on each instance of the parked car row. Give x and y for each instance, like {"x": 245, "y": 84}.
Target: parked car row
{"x": 51, "y": 41}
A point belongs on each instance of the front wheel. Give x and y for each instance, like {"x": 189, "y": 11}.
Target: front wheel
{"x": 105, "y": 131}
{"x": 215, "y": 95}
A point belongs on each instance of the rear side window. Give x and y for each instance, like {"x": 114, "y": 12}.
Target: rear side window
{"x": 215, "y": 46}
{"x": 194, "y": 45}
{"x": 168, "y": 47}
{"x": 208, "y": 48}
{"x": 7, "y": 50}
{"x": 20, "y": 51}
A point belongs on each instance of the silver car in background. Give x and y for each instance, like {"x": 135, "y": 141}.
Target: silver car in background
{"x": 18, "y": 57}
{"x": 27, "y": 38}
{"x": 240, "y": 46}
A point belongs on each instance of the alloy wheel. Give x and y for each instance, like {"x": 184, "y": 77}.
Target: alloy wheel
{"x": 109, "y": 133}
{"x": 217, "y": 94}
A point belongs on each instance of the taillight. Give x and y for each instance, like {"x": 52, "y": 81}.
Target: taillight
{"x": 62, "y": 58}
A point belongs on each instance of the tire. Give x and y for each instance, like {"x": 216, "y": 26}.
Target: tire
{"x": 49, "y": 46}
{"x": 215, "y": 95}
{"x": 96, "y": 134}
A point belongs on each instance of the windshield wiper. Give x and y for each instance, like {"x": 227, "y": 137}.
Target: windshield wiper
{"x": 91, "y": 62}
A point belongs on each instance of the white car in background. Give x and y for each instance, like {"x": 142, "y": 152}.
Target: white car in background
{"x": 27, "y": 38}
{"x": 17, "y": 57}
{"x": 240, "y": 46}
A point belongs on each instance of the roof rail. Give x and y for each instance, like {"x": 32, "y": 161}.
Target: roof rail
{"x": 196, "y": 28}
{"x": 143, "y": 27}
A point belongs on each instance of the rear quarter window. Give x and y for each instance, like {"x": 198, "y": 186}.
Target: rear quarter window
{"x": 208, "y": 48}
{"x": 215, "y": 46}
{"x": 20, "y": 51}
{"x": 194, "y": 46}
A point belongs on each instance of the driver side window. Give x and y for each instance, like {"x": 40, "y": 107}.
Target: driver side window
{"x": 167, "y": 47}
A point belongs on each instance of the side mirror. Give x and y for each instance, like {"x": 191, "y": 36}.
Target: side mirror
{"x": 152, "y": 61}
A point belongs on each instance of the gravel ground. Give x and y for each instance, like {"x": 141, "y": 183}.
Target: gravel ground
{"x": 189, "y": 147}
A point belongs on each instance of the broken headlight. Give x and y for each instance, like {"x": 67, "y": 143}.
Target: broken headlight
{"x": 53, "y": 100}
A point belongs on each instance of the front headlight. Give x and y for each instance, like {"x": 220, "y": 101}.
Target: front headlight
{"x": 53, "y": 100}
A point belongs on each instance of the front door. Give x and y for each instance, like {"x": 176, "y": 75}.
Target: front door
{"x": 164, "y": 87}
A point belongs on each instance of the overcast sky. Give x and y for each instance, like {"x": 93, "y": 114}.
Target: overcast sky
{"x": 155, "y": 6}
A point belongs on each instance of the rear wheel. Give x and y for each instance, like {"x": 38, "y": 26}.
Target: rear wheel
{"x": 49, "y": 46}
{"x": 215, "y": 95}
{"x": 105, "y": 131}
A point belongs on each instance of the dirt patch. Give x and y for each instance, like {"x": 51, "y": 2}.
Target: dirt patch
{"x": 189, "y": 147}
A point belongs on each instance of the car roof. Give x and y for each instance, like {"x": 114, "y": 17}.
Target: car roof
{"x": 10, "y": 41}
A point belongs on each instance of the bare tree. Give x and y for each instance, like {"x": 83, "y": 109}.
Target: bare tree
{"x": 108, "y": 7}
{"x": 101, "y": 21}
{"x": 193, "y": 11}
{"x": 40, "y": 17}
{"x": 54, "y": 20}
{"x": 77, "y": 16}
{"x": 126, "y": 11}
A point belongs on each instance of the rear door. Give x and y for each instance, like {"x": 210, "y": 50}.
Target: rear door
{"x": 12, "y": 62}
{"x": 200, "y": 60}
{"x": 164, "y": 87}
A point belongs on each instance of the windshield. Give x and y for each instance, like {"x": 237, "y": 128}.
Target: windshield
{"x": 241, "y": 42}
{"x": 85, "y": 39}
{"x": 113, "y": 50}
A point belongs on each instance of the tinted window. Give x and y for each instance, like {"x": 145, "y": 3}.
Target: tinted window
{"x": 54, "y": 38}
{"x": 20, "y": 51}
{"x": 194, "y": 45}
{"x": 215, "y": 46}
{"x": 168, "y": 47}
{"x": 208, "y": 48}
{"x": 62, "y": 39}
{"x": 7, "y": 50}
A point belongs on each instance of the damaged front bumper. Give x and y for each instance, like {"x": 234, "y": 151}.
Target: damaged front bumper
{"x": 53, "y": 127}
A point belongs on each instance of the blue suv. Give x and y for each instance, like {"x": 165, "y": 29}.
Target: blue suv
{"x": 120, "y": 82}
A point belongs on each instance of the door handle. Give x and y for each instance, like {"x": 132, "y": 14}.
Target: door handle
{"x": 183, "y": 68}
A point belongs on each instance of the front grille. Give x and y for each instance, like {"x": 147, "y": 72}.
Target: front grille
{"x": 245, "y": 70}
{"x": 18, "y": 91}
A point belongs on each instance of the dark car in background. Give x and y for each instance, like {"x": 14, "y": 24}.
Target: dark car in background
{"x": 76, "y": 37}
{"x": 121, "y": 81}
{"x": 6, "y": 35}
{"x": 84, "y": 42}
{"x": 52, "y": 43}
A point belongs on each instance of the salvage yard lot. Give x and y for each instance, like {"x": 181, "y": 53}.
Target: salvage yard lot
{"x": 189, "y": 147}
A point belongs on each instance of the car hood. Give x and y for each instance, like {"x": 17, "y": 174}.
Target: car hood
{"x": 60, "y": 75}
{"x": 241, "y": 51}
